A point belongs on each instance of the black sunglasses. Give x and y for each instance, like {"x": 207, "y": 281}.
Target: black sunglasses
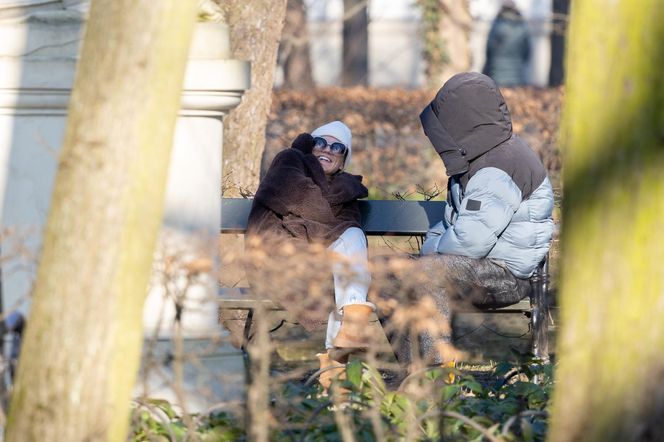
{"x": 336, "y": 147}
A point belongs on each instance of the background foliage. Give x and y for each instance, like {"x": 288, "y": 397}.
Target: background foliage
{"x": 509, "y": 404}
{"x": 389, "y": 147}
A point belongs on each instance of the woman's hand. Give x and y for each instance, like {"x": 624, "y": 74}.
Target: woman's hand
{"x": 304, "y": 143}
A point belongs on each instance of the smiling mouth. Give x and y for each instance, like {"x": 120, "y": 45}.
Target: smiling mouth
{"x": 322, "y": 158}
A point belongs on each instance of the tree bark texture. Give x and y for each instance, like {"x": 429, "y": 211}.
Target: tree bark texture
{"x": 609, "y": 379}
{"x": 83, "y": 340}
{"x": 454, "y": 33}
{"x": 294, "y": 48}
{"x": 355, "y": 46}
{"x": 255, "y": 27}
{"x": 446, "y": 28}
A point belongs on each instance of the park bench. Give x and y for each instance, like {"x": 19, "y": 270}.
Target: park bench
{"x": 387, "y": 217}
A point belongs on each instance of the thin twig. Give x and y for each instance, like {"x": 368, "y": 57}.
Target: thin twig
{"x": 413, "y": 375}
{"x": 159, "y": 414}
{"x": 315, "y": 376}
{"x": 374, "y": 411}
{"x": 316, "y": 412}
{"x": 357, "y": 7}
{"x": 472, "y": 423}
{"x": 343, "y": 423}
{"x": 216, "y": 407}
{"x": 506, "y": 335}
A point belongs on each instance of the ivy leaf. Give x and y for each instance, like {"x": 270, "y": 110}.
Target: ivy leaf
{"x": 354, "y": 373}
{"x": 451, "y": 391}
{"x": 502, "y": 368}
{"x": 164, "y": 406}
{"x": 472, "y": 385}
{"x": 310, "y": 403}
{"x": 524, "y": 389}
{"x": 397, "y": 405}
{"x": 371, "y": 376}
{"x": 179, "y": 430}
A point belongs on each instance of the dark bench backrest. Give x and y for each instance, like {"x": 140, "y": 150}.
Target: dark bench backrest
{"x": 379, "y": 217}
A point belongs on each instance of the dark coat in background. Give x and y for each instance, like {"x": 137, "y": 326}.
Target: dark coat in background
{"x": 296, "y": 214}
{"x": 507, "y": 48}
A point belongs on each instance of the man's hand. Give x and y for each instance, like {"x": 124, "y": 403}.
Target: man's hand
{"x": 304, "y": 143}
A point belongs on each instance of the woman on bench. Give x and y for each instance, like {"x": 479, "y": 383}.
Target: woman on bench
{"x": 306, "y": 199}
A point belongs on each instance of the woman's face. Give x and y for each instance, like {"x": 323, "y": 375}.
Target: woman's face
{"x": 331, "y": 162}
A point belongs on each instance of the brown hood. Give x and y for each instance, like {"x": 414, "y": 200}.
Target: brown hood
{"x": 467, "y": 118}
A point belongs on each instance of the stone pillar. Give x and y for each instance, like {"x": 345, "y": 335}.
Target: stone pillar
{"x": 38, "y": 56}
{"x": 37, "y": 65}
{"x": 186, "y": 267}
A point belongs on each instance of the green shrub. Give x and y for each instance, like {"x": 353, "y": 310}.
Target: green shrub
{"x": 507, "y": 406}
{"x": 155, "y": 420}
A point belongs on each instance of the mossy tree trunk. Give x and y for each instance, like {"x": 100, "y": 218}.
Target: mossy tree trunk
{"x": 454, "y": 31}
{"x": 83, "y": 340}
{"x": 255, "y": 27}
{"x": 609, "y": 380}
{"x": 446, "y": 26}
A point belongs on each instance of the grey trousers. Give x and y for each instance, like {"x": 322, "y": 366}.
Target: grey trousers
{"x": 417, "y": 301}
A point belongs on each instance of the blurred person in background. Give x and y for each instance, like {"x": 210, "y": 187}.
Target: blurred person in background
{"x": 507, "y": 47}
{"x": 496, "y": 228}
{"x": 307, "y": 199}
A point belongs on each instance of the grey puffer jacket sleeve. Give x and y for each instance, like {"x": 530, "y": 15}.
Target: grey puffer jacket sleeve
{"x": 490, "y": 221}
{"x": 490, "y": 200}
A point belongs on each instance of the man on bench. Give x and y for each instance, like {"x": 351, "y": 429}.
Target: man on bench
{"x": 495, "y": 231}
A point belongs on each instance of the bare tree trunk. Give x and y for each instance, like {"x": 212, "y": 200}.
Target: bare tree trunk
{"x": 560, "y": 15}
{"x": 255, "y": 27}
{"x": 454, "y": 32}
{"x": 609, "y": 379}
{"x": 294, "y": 48}
{"x": 446, "y": 28}
{"x": 83, "y": 339}
{"x": 355, "y": 51}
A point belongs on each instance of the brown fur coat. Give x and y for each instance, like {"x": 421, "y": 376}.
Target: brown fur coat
{"x": 295, "y": 201}
{"x": 295, "y": 215}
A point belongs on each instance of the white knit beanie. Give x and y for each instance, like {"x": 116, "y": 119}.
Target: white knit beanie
{"x": 339, "y": 131}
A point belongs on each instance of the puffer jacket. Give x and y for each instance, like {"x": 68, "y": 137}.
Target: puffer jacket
{"x": 500, "y": 200}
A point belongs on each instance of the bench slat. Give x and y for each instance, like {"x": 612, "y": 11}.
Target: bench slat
{"x": 240, "y": 298}
{"x": 379, "y": 217}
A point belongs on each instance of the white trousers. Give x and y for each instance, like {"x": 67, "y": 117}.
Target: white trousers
{"x": 351, "y": 277}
